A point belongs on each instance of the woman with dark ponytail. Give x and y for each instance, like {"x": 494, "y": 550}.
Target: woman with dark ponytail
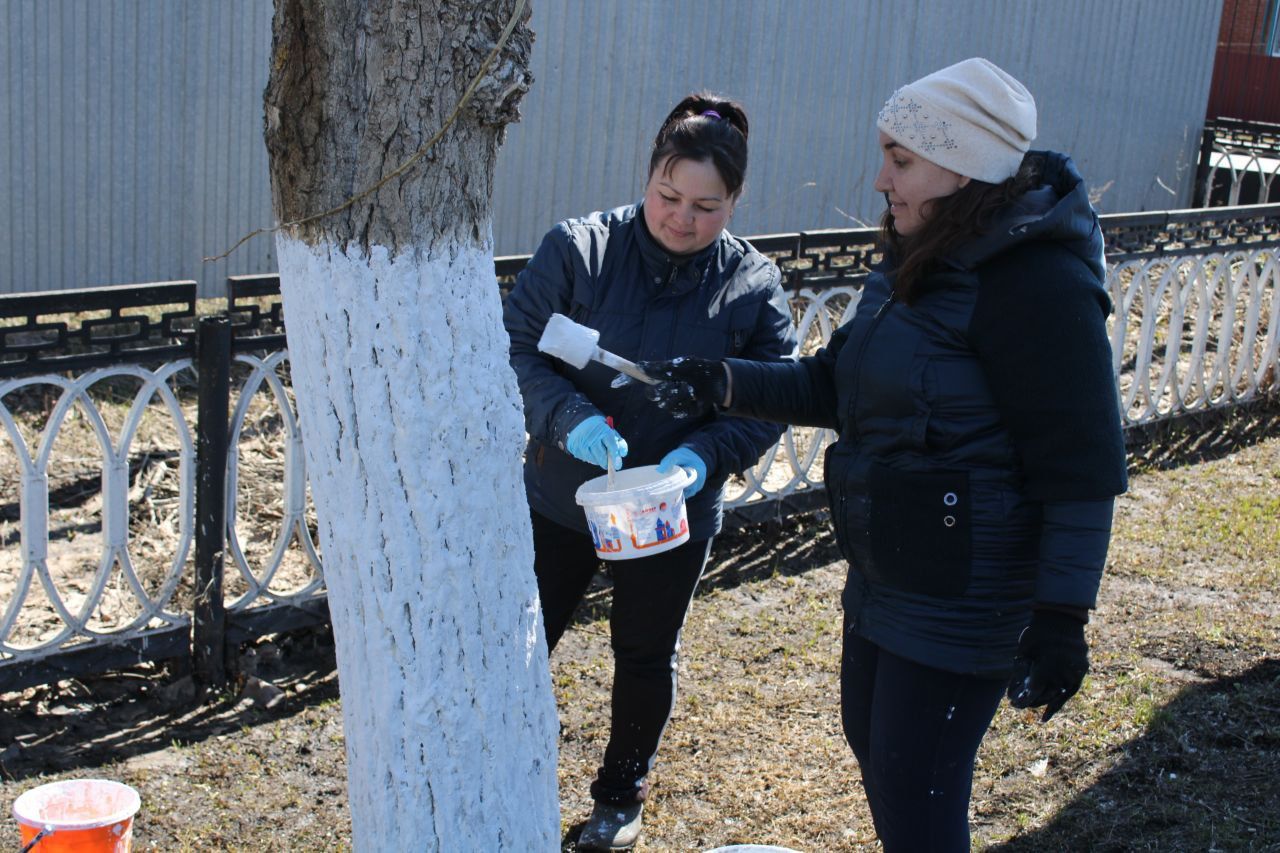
{"x": 655, "y": 279}
{"x": 978, "y": 448}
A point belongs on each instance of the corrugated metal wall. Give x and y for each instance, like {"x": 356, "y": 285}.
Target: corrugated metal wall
{"x": 1120, "y": 85}
{"x": 131, "y": 144}
{"x": 133, "y": 138}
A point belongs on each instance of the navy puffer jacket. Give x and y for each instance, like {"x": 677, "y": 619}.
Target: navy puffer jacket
{"x": 979, "y": 444}
{"x": 606, "y": 272}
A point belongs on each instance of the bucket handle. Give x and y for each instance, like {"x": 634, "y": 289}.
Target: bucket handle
{"x": 40, "y": 836}
{"x": 690, "y": 476}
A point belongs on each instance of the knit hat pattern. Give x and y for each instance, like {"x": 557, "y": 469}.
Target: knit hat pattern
{"x": 973, "y": 118}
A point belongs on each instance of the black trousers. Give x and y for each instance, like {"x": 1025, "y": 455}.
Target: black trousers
{"x": 651, "y": 597}
{"x": 915, "y": 731}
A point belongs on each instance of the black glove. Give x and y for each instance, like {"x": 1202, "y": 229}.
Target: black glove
{"x": 1051, "y": 662}
{"x": 687, "y": 387}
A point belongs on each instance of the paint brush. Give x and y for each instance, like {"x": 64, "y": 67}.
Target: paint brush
{"x": 576, "y": 344}
{"x": 609, "y": 456}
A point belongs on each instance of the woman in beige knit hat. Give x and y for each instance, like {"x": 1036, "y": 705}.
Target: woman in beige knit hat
{"x": 979, "y": 448}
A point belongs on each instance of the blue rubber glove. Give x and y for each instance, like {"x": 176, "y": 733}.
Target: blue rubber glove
{"x": 595, "y": 441}
{"x": 686, "y": 458}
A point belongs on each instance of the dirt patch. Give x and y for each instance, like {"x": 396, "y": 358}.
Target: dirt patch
{"x": 1173, "y": 744}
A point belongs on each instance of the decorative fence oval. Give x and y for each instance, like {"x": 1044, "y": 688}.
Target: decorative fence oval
{"x": 1196, "y": 328}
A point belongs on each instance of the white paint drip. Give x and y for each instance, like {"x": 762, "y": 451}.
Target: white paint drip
{"x": 413, "y": 432}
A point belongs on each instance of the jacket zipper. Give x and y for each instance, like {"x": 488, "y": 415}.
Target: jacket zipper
{"x": 857, "y": 374}
{"x": 843, "y": 517}
{"x": 671, "y": 327}
{"x": 667, "y": 286}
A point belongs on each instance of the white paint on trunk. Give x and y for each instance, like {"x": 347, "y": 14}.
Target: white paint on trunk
{"x": 413, "y": 430}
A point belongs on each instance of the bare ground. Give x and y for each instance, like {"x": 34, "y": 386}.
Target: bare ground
{"x": 1173, "y": 744}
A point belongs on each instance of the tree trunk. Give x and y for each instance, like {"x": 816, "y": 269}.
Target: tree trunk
{"x": 410, "y": 415}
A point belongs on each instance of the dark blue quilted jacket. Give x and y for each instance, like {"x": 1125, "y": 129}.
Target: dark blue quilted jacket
{"x": 978, "y": 433}
{"x": 605, "y": 272}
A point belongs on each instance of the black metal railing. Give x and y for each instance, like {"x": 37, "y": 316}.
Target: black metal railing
{"x": 1238, "y": 163}
{"x": 76, "y": 331}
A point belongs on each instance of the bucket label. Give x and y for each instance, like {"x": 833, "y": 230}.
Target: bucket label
{"x": 660, "y": 533}
{"x": 636, "y": 520}
{"x": 608, "y": 540}
{"x": 644, "y": 527}
{"x": 652, "y": 525}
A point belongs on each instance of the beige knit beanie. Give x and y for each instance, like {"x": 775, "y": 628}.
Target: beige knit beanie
{"x": 972, "y": 118}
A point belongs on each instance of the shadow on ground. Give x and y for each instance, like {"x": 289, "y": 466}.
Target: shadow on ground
{"x": 81, "y": 724}
{"x": 1205, "y": 776}
{"x": 1197, "y": 437}
{"x": 789, "y": 546}
{"x": 84, "y": 723}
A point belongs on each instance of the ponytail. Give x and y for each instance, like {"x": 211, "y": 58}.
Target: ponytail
{"x": 705, "y": 127}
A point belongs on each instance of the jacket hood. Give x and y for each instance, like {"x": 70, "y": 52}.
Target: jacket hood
{"x": 1057, "y": 210}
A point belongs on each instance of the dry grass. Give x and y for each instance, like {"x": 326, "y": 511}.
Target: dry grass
{"x": 156, "y": 512}
{"x": 1173, "y": 744}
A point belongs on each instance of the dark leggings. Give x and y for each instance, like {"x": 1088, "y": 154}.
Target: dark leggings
{"x": 915, "y": 731}
{"x": 651, "y": 596}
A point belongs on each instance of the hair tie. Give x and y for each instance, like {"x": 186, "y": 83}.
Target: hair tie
{"x": 712, "y": 114}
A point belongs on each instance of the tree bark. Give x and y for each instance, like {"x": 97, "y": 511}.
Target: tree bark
{"x": 410, "y": 414}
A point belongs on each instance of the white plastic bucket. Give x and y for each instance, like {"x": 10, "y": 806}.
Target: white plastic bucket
{"x": 642, "y": 514}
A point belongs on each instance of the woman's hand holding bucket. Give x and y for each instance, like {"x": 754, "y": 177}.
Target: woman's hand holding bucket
{"x": 642, "y": 513}
{"x": 690, "y": 461}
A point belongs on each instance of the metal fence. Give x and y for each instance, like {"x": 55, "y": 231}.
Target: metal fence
{"x": 175, "y": 411}
{"x": 1239, "y": 162}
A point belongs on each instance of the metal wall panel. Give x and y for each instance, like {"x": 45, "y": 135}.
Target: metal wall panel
{"x": 131, "y": 144}
{"x": 1122, "y": 86}
{"x": 132, "y": 137}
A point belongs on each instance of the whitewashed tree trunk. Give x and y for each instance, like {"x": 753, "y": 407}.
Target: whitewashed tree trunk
{"x": 411, "y": 417}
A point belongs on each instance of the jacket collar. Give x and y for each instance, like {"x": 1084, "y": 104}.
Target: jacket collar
{"x": 667, "y": 272}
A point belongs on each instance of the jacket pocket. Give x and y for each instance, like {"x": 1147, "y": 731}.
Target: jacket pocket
{"x": 724, "y": 336}
{"x": 845, "y": 479}
{"x": 921, "y": 530}
{"x": 742, "y": 323}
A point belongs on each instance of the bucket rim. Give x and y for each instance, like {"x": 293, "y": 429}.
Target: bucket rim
{"x": 126, "y": 812}
{"x": 674, "y": 480}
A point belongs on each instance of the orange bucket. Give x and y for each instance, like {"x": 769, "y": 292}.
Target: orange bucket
{"x": 77, "y": 816}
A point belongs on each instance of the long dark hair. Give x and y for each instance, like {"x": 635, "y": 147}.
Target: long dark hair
{"x": 688, "y": 133}
{"x": 950, "y": 222}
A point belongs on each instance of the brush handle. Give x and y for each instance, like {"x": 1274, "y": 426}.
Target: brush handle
{"x": 621, "y": 365}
